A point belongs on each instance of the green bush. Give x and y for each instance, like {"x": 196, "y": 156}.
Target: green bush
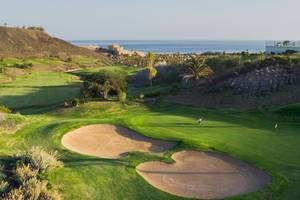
{"x": 103, "y": 83}
{"x": 220, "y": 64}
{"x": 75, "y": 102}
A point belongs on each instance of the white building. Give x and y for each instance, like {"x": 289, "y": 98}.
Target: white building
{"x": 282, "y": 46}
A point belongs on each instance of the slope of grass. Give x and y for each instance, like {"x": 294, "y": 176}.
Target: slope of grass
{"x": 248, "y": 136}
{"x": 39, "y": 89}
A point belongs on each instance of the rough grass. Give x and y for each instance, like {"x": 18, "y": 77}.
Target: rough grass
{"x": 10, "y": 123}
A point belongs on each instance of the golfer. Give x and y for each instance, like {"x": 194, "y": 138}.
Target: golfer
{"x": 200, "y": 120}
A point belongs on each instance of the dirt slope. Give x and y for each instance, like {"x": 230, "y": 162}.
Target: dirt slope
{"x": 19, "y": 42}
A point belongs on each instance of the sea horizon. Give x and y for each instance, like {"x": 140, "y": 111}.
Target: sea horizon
{"x": 181, "y": 46}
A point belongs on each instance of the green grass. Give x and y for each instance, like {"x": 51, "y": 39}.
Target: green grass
{"x": 10, "y": 62}
{"x": 249, "y": 136}
{"x": 39, "y": 89}
{"x": 155, "y": 91}
{"x": 89, "y": 70}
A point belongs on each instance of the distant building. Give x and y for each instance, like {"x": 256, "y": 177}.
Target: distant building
{"x": 118, "y": 50}
{"x": 282, "y": 46}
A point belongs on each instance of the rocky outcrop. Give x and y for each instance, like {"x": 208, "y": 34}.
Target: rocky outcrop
{"x": 262, "y": 81}
{"x": 260, "y": 78}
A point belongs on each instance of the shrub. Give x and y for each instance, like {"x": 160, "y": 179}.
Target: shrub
{"x": 50, "y": 195}
{"x": 15, "y": 194}
{"x": 219, "y": 64}
{"x": 153, "y": 94}
{"x": 75, "y": 102}
{"x": 23, "y": 65}
{"x": 66, "y": 104}
{"x": 33, "y": 188}
{"x": 10, "y": 122}
{"x": 24, "y": 173}
{"x": 122, "y": 97}
{"x": 103, "y": 83}
{"x": 3, "y": 187}
{"x": 4, "y": 109}
{"x": 27, "y": 184}
{"x": 40, "y": 160}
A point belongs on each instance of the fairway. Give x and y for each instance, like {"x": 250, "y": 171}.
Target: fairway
{"x": 39, "y": 90}
{"x": 234, "y": 133}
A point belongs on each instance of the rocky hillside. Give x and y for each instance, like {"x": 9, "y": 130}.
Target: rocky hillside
{"x": 262, "y": 84}
{"x": 260, "y": 78}
{"x": 22, "y": 42}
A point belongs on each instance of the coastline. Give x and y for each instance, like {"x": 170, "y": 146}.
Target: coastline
{"x": 180, "y": 46}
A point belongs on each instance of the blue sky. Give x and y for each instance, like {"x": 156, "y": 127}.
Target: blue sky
{"x": 158, "y": 19}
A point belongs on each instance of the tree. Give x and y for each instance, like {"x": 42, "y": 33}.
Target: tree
{"x": 103, "y": 83}
{"x": 197, "y": 68}
{"x": 151, "y": 68}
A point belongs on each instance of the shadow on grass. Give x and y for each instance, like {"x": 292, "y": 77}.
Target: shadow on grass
{"x": 40, "y": 98}
{"x": 76, "y": 161}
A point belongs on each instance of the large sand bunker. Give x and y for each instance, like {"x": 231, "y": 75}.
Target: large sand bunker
{"x": 203, "y": 175}
{"x": 108, "y": 141}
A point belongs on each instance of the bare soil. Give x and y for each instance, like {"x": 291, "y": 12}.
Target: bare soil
{"x": 204, "y": 175}
{"x": 108, "y": 141}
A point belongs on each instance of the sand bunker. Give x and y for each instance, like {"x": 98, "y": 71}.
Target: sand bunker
{"x": 203, "y": 175}
{"x": 108, "y": 141}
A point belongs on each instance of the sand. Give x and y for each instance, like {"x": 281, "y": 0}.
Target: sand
{"x": 204, "y": 175}
{"x": 108, "y": 141}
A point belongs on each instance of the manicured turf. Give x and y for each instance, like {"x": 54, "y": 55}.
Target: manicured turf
{"x": 39, "y": 90}
{"x": 247, "y": 136}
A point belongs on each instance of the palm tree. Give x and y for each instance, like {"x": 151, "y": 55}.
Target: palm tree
{"x": 151, "y": 68}
{"x": 197, "y": 69}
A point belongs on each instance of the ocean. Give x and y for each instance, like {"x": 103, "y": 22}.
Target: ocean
{"x": 181, "y": 46}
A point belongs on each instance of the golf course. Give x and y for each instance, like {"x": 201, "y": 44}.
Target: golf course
{"x": 246, "y": 138}
{"x": 85, "y": 122}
